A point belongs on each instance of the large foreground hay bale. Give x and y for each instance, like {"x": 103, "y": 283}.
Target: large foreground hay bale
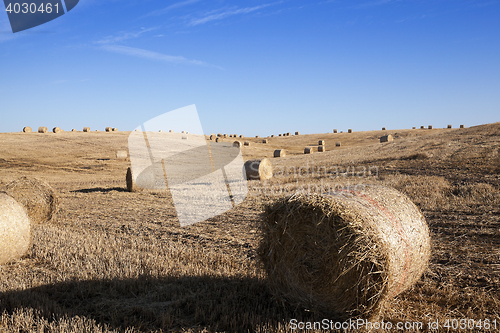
{"x": 131, "y": 184}
{"x": 386, "y": 138}
{"x": 279, "y": 153}
{"x": 345, "y": 254}
{"x": 42, "y": 129}
{"x": 27, "y": 129}
{"x": 308, "y": 150}
{"x": 15, "y": 229}
{"x": 38, "y": 198}
{"x": 258, "y": 169}
{"x": 86, "y": 129}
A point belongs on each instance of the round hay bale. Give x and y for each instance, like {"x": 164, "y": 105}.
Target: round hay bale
{"x": 73, "y": 130}
{"x": 422, "y": 127}
{"x": 42, "y": 129}
{"x": 236, "y": 144}
{"x": 321, "y": 149}
{"x": 219, "y": 135}
{"x": 38, "y": 198}
{"x": 462, "y": 126}
{"x": 308, "y": 150}
{"x": 288, "y": 134}
{"x": 413, "y": 127}
{"x": 383, "y": 128}
{"x": 279, "y": 153}
{"x": 386, "y": 138}
{"x": 449, "y": 126}
{"x": 430, "y": 127}
{"x": 297, "y": 133}
{"x": 108, "y": 129}
{"x": 27, "y": 129}
{"x": 225, "y": 135}
{"x": 183, "y": 132}
{"x": 349, "y": 130}
{"x": 211, "y": 138}
{"x": 86, "y": 129}
{"x": 272, "y": 135}
{"x": 15, "y": 230}
{"x": 218, "y": 140}
{"x": 257, "y": 136}
{"x": 246, "y": 143}
{"x": 337, "y": 144}
{"x": 321, "y": 142}
{"x": 114, "y": 129}
{"x": 264, "y": 141}
{"x": 131, "y": 184}
{"x": 344, "y": 254}
{"x": 258, "y": 169}
{"x": 170, "y": 131}
{"x": 241, "y": 135}
{"x": 334, "y": 131}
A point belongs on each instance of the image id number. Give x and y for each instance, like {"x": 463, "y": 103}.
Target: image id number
{"x": 32, "y": 8}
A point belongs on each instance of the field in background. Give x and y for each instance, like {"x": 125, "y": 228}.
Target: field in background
{"x": 119, "y": 261}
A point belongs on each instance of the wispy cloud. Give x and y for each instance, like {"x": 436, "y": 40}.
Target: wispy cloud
{"x": 169, "y": 8}
{"x": 123, "y": 36}
{"x": 145, "y": 54}
{"x": 375, "y": 3}
{"x": 228, "y": 12}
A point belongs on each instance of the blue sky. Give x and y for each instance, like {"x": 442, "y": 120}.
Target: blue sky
{"x": 256, "y": 67}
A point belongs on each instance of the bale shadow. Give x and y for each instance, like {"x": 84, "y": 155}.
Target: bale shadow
{"x": 171, "y": 303}
{"x": 99, "y": 189}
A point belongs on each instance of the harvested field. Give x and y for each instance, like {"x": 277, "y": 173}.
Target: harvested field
{"x": 116, "y": 261}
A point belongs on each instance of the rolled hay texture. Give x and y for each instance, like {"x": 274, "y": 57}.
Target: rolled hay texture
{"x": 349, "y": 130}
{"x": 321, "y": 149}
{"x": 246, "y": 143}
{"x": 27, "y": 129}
{"x": 86, "y": 129}
{"x": 38, "y": 198}
{"x": 449, "y": 126}
{"x": 264, "y": 141}
{"x": 386, "y": 138}
{"x": 42, "y": 129}
{"x": 108, "y": 129}
{"x": 308, "y": 150}
{"x": 279, "y": 153}
{"x": 258, "y": 169}
{"x": 334, "y": 131}
{"x": 236, "y": 144}
{"x": 430, "y": 127}
{"x": 337, "y": 144}
{"x": 344, "y": 254}
{"x": 15, "y": 229}
{"x": 321, "y": 142}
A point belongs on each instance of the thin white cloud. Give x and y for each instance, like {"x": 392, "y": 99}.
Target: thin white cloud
{"x": 123, "y": 36}
{"x": 229, "y": 12}
{"x": 375, "y": 3}
{"x": 145, "y": 54}
{"x": 169, "y": 8}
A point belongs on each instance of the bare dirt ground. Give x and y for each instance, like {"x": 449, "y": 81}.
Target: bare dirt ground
{"x": 118, "y": 261}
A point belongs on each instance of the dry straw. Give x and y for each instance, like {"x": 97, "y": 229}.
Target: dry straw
{"x": 86, "y": 129}
{"x": 321, "y": 142}
{"x": 258, "y": 169}
{"x": 279, "y": 153}
{"x": 386, "y": 138}
{"x": 38, "y": 198}
{"x": 337, "y": 144}
{"x": 15, "y": 230}
{"x": 345, "y": 254}
{"x": 246, "y": 143}
{"x": 27, "y": 129}
{"x": 321, "y": 149}
{"x": 42, "y": 129}
{"x": 308, "y": 150}
{"x": 236, "y": 144}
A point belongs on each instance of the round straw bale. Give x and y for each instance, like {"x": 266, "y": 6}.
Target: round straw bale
{"x": 430, "y": 127}
{"x": 225, "y": 135}
{"x": 170, "y": 131}
{"x": 27, "y": 129}
{"x": 15, "y": 229}
{"x": 56, "y": 130}
{"x": 42, "y": 129}
{"x": 256, "y": 136}
{"x": 258, "y": 169}
{"x": 344, "y": 254}
{"x": 108, "y": 129}
{"x": 413, "y": 127}
{"x": 218, "y": 140}
{"x": 264, "y": 141}
{"x": 236, "y": 144}
{"x": 288, "y": 134}
{"x": 297, "y": 133}
{"x": 272, "y": 135}
{"x": 386, "y": 138}
{"x": 321, "y": 142}
{"x": 308, "y": 150}
{"x": 183, "y": 132}
{"x": 114, "y": 129}
{"x": 337, "y": 144}
{"x": 279, "y": 134}
{"x": 462, "y": 126}
{"x": 246, "y": 143}
{"x": 422, "y": 127}
{"x": 219, "y": 135}
{"x": 449, "y": 126}
{"x": 129, "y": 178}
{"x": 279, "y": 153}
{"x": 241, "y": 135}
{"x": 383, "y": 128}
{"x": 73, "y": 130}
{"x": 86, "y": 129}
{"x": 321, "y": 149}
{"x": 334, "y": 131}
{"x": 37, "y": 197}
{"x": 349, "y": 130}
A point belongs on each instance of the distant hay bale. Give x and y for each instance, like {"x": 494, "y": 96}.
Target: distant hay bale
{"x": 170, "y": 131}
{"x": 462, "y": 126}
{"x": 297, "y": 133}
{"x": 288, "y": 134}
{"x": 346, "y": 254}
{"x": 121, "y": 154}
{"x": 42, "y": 129}
{"x": 86, "y": 129}
{"x": 241, "y": 135}
{"x": 218, "y": 140}
{"x": 321, "y": 142}
{"x": 383, "y": 128}
{"x": 183, "y": 132}
{"x": 219, "y": 135}
{"x": 279, "y": 153}
{"x": 236, "y": 144}
{"x": 225, "y": 135}
{"x": 258, "y": 169}
{"x": 308, "y": 150}
{"x": 108, "y": 129}
{"x": 337, "y": 144}
{"x": 264, "y": 141}
{"x": 349, "y": 130}
{"x": 56, "y": 130}
{"x": 38, "y": 198}
{"x": 230, "y": 135}
{"x": 430, "y": 127}
{"x": 246, "y": 143}
{"x": 256, "y": 136}
{"x": 279, "y": 134}
{"x": 73, "y": 130}
{"x": 386, "y": 138}
{"x": 449, "y": 126}
{"x": 272, "y": 135}
{"x": 413, "y": 127}
{"x": 211, "y": 137}
{"x": 27, "y": 129}
{"x": 321, "y": 149}
{"x": 114, "y": 129}
{"x": 334, "y": 131}
{"x": 160, "y": 131}
{"x": 15, "y": 230}
{"x": 422, "y": 127}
